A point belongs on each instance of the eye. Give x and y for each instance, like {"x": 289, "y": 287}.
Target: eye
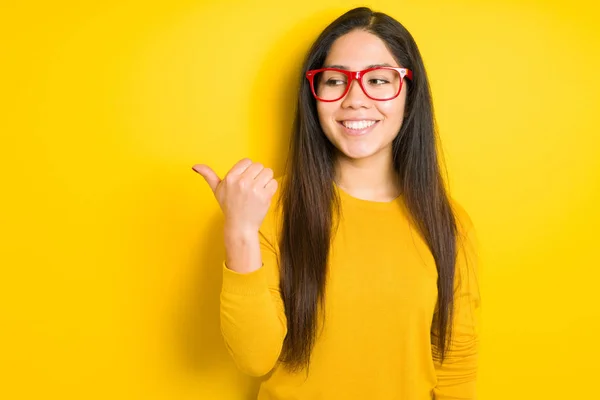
{"x": 378, "y": 81}
{"x": 335, "y": 82}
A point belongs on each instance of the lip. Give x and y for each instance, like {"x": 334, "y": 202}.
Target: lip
{"x": 354, "y": 132}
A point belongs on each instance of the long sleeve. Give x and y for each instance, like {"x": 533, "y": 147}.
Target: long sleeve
{"x": 253, "y": 322}
{"x": 456, "y": 377}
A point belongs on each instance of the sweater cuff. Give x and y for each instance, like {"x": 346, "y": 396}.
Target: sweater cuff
{"x": 251, "y": 283}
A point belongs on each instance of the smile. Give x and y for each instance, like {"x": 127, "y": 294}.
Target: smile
{"x": 355, "y": 128}
{"x": 358, "y": 125}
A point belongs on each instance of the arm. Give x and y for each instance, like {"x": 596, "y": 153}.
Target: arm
{"x": 253, "y": 322}
{"x": 457, "y": 375}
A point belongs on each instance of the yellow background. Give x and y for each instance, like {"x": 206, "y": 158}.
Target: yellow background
{"x": 111, "y": 245}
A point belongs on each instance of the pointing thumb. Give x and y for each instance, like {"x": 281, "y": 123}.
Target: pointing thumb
{"x": 208, "y": 174}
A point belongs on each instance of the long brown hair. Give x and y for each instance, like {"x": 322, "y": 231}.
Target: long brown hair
{"x": 309, "y": 201}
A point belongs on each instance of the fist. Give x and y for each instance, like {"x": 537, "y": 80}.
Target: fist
{"x": 244, "y": 195}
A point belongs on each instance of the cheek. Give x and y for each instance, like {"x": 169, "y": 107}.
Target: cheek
{"x": 325, "y": 112}
{"x": 392, "y": 110}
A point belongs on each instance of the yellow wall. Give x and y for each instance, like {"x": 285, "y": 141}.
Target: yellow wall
{"x": 111, "y": 245}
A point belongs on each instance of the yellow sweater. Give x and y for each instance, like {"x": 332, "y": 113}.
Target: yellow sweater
{"x": 375, "y": 342}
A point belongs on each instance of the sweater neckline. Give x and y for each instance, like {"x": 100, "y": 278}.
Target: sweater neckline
{"x": 367, "y": 204}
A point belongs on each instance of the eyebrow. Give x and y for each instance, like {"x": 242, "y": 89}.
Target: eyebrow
{"x": 346, "y": 68}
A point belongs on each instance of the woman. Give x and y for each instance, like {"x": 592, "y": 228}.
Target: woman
{"x": 360, "y": 282}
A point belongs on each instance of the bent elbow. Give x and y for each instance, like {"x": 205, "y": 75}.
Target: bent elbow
{"x": 256, "y": 370}
{"x": 257, "y": 366}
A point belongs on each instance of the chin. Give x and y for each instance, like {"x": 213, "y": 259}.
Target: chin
{"x": 357, "y": 154}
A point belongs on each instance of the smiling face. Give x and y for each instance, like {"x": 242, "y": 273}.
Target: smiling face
{"x": 356, "y": 125}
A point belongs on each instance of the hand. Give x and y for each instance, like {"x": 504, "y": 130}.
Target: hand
{"x": 244, "y": 195}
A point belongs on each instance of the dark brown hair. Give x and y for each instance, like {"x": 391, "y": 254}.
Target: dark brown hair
{"x": 309, "y": 201}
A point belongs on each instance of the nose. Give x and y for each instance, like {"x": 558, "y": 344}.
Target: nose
{"x": 355, "y": 98}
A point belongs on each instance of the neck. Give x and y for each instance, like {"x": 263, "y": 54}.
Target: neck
{"x": 372, "y": 178}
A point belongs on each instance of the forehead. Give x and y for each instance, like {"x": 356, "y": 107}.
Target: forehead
{"x": 358, "y": 49}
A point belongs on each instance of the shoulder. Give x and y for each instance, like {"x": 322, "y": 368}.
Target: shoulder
{"x": 468, "y": 261}
{"x": 467, "y": 238}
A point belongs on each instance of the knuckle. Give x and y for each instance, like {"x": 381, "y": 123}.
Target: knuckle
{"x": 242, "y": 183}
{"x": 229, "y": 179}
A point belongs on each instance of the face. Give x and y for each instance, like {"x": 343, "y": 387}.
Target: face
{"x": 344, "y": 121}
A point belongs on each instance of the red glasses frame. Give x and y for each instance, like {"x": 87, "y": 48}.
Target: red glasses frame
{"x": 356, "y": 75}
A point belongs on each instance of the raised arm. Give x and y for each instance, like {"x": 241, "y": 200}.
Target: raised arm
{"x": 253, "y": 320}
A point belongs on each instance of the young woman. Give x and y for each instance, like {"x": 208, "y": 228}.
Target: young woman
{"x": 360, "y": 281}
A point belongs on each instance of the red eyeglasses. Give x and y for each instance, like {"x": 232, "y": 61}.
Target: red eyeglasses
{"x": 382, "y": 83}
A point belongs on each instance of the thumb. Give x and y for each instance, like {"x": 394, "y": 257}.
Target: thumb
{"x": 208, "y": 174}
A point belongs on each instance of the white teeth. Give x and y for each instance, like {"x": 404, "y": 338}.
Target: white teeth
{"x": 358, "y": 125}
